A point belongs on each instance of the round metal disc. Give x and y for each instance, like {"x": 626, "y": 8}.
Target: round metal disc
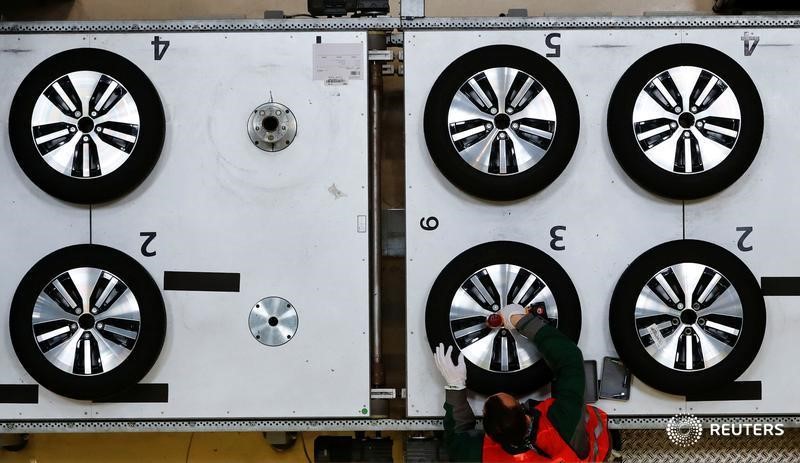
{"x": 86, "y": 321}
{"x": 502, "y": 121}
{"x": 689, "y": 317}
{"x": 485, "y": 292}
{"x": 687, "y": 120}
{"x": 273, "y": 321}
{"x": 272, "y": 127}
{"x": 85, "y": 124}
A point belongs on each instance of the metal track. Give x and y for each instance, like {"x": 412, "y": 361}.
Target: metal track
{"x": 211, "y": 425}
{"x": 386, "y": 23}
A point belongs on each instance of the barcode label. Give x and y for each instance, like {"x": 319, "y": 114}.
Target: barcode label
{"x": 338, "y": 63}
{"x": 655, "y": 335}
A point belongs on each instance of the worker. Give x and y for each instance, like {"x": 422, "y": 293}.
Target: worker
{"x": 559, "y": 429}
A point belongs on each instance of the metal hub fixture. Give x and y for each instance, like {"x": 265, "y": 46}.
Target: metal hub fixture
{"x": 273, "y": 321}
{"x": 85, "y": 124}
{"x": 477, "y": 327}
{"x": 86, "y": 321}
{"x": 687, "y": 120}
{"x": 689, "y": 317}
{"x": 272, "y": 127}
{"x": 502, "y": 121}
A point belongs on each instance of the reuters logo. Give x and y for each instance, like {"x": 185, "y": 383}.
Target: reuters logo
{"x": 684, "y": 430}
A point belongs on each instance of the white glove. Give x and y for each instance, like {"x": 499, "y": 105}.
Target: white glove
{"x": 454, "y": 375}
{"x": 509, "y": 310}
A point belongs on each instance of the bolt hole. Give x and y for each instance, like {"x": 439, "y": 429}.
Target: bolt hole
{"x": 270, "y": 123}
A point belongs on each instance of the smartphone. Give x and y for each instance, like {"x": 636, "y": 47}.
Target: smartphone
{"x": 616, "y": 381}
{"x": 590, "y": 373}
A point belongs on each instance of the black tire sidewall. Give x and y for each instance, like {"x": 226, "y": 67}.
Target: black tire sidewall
{"x": 151, "y": 332}
{"x": 623, "y": 138}
{"x": 497, "y": 187}
{"x": 142, "y": 158}
{"x": 622, "y": 323}
{"x": 437, "y": 321}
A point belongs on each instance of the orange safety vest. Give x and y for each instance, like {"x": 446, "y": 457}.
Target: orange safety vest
{"x": 550, "y": 442}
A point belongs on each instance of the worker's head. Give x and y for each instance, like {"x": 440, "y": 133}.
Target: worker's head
{"x": 505, "y": 420}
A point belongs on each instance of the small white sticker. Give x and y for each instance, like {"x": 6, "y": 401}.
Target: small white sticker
{"x": 338, "y": 63}
{"x": 655, "y": 334}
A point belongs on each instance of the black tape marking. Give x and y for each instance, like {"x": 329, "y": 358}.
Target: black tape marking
{"x": 201, "y": 281}
{"x": 19, "y": 393}
{"x": 780, "y": 286}
{"x": 140, "y": 393}
{"x": 739, "y": 390}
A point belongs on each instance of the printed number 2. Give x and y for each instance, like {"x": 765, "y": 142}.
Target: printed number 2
{"x": 149, "y": 237}
{"x": 556, "y": 47}
{"x": 159, "y": 47}
{"x": 745, "y": 233}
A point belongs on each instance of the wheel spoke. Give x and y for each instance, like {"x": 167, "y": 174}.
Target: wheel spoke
{"x": 710, "y": 286}
{"x": 504, "y": 353}
{"x": 51, "y": 136}
{"x": 467, "y": 133}
{"x": 687, "y": 154}
{"x": 537, "y": 132}
{"x": 706, "y": 91}
{"x": 502, "y": 159}
{"x": 63, "y": 96}
{"x": 480, "y": 351}
{"x": 107, "y": 290}
{"x": 63, "y": 292}
{"x": 479, "y": 153}
{"x": 462, "y": 108}
{"x": 500, "y": 80}
{"x": 119, "y": 135}
{"x": 120, "y": 331}
{"x": 52, "y": 333}
{"x": 85, "y": 161}
{"x": 527, "y": 154}
{"x": 665, "y": 351}
{"x": 523, "y": 90}
{"x": 665, "y": 286}
{"x": 107, "y": 93}
{"x": 63, "y": 355}
{"x": 652, "y": 132}
{"x": 526, "y": 351}
{"x": 482, "y": 289}
{"x": 479, "y": 90}
{"x": 723, "y": 328}
{"x": 722, "y": 130}
{"x": 714, "y": 351}
{"x": 689, "y": 355}
{"x": 87, "y": 356}
{"x": 663, "y": 90}
{"x": 651, "y": 303}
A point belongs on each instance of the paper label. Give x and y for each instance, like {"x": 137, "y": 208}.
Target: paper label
{"x": 655, "y": 334}
{"x": 338, "y": 63}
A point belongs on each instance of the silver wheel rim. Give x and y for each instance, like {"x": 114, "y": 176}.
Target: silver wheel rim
{"x": 495, "y": 348}
{"x": 687, "y": 120}
{"x": 86, "y": 321}
{"x": 502, "y": 121}
{"x": 85, "y": 124}
{"x": 689, "y": 317}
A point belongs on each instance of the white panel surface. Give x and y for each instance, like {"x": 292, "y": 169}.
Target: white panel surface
{"x": 767, "y": 198}
{"x": 286, "y": 221}
{"x": 609, "y": 220}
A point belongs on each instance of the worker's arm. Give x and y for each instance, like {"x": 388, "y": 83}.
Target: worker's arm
{"x": 464, "y": 442}
{"x": 566, "y": 362}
